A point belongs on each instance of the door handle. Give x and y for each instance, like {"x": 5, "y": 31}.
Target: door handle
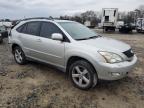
{"x": 38, "y": 40}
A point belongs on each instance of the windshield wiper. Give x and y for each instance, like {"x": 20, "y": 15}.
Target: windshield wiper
{"x": 82, "y": 39}
{"x": 93, "y": 37}
{"x": 90, "y": 37}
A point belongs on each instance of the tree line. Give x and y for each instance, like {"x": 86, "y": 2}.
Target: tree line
{"x": 95, "y": 17}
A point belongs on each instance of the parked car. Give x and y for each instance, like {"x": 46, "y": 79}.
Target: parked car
{"x": 119, "y": 24}
{"x": 3, "y": 33}
{"x": 126, "y": 28}
{"x": 7, "y": 23}
{"x": 89, "y": 24}
{"x": 73, "y": 48}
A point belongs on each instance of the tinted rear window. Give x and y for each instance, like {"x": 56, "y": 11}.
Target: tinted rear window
{"x": 22, "y": 28}
{"x": 33, "y": 28}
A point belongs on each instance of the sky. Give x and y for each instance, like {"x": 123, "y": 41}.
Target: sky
{"x": 43, "y": 8}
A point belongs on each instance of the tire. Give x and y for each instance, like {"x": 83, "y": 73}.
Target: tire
{"x": 19, "y": 55}
{"x": 1, "y": 40}
{"x": 83, "y": 75}
{"x": 138, "y": 31}
{"x": 106, "y": 29}
{"x": 114, "y": 29}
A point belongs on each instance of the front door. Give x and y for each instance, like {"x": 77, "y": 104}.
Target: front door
{"x": 51, "y": 51}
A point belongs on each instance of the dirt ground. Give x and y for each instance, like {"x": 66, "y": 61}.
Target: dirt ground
{"x": 41, "y": 86}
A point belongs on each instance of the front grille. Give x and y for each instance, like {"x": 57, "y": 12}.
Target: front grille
{"x": 129, "y": 53}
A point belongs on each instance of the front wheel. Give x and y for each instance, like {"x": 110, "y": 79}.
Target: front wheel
{"x": 83, "y": 75}
{"x": 19, "y": 55}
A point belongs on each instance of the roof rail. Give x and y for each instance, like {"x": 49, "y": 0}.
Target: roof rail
{"x": 50, "y": 18}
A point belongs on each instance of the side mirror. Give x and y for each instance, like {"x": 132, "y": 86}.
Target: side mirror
{"x": 57, "y": 36}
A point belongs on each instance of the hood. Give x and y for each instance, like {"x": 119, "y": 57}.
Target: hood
{"x": 106, "y": 44}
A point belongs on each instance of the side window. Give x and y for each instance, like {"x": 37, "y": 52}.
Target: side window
{"x": 22, "y": 28}
{"x": 47, "y": 29}
{"x": 33, "y": 28}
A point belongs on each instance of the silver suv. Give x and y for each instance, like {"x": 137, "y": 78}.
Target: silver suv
{"x": 73, "y": 48}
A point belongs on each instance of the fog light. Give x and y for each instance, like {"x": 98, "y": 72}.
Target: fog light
{"x": 115, "y": 74}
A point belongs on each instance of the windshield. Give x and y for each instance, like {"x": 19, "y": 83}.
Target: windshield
{"x": 78, "y": 31}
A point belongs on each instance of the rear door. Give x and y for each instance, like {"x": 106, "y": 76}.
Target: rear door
{"x": 29, "y": 38}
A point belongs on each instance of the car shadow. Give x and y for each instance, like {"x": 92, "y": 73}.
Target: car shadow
{"x": 111, "y": 86}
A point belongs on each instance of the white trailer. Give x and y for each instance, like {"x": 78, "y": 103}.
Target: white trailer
{"x": 87, "y": 23}
{"x": 140, "y": 25}
{"x": 109, "y": 18}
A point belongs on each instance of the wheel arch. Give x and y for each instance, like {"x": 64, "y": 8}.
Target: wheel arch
{"x": 72, "y": 59}
{"x": 13, "y": 46}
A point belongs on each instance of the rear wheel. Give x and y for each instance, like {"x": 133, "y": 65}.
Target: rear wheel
{"x": 19, "y": 55}
{"x": 83, "y": 75}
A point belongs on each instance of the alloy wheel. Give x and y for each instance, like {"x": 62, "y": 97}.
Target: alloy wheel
{"x": 18, "y": 56}
{"x": 80, "y": 76}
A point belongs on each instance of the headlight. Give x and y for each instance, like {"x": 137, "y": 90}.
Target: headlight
{"x": 111, "y": 57}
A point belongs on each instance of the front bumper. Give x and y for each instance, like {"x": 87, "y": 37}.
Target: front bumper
{"x": 115, "y": 71}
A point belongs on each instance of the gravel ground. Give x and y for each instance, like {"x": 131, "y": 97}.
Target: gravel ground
{"x": 41, "y": 86}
